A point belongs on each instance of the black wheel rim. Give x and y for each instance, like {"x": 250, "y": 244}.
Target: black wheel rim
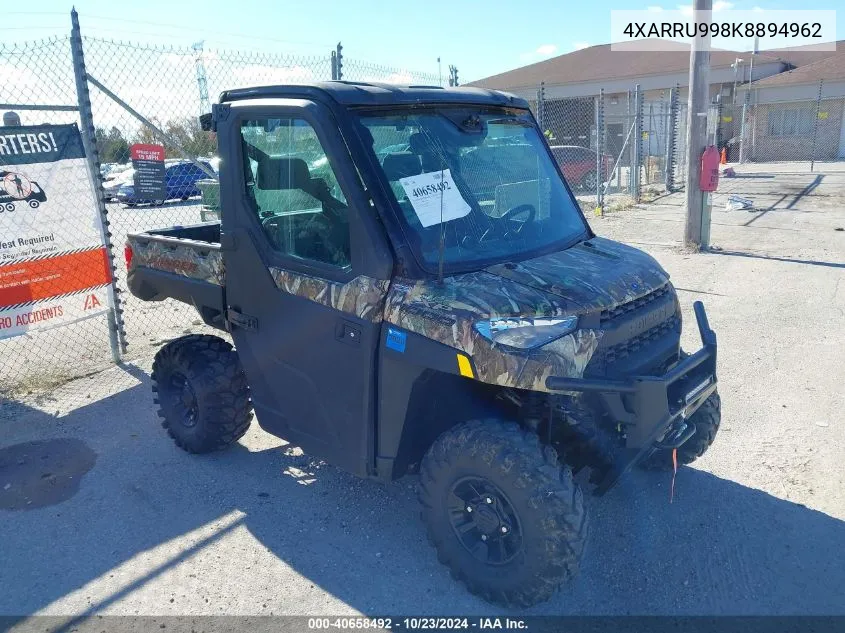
{"x": 484, "y": 521}
{"x": 183, "y": 400}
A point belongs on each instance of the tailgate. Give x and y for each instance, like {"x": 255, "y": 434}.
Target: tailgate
{"x": 167, "y": 267}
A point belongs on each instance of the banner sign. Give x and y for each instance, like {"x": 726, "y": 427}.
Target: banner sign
{"x": 148, "y": 163}
{"x": 54, "y": 267}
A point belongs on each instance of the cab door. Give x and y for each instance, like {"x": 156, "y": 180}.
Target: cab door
{"x": 307, "y": 270}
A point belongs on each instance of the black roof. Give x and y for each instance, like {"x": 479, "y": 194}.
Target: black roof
{"x": 352, "y": 93}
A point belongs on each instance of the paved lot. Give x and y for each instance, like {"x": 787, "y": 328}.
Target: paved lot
{"x": 123, "y": 522}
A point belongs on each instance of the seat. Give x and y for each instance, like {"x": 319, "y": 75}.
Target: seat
{"x": 283, "y": 173}
{"x": 401, "y": 165}
{"x": 422, "y": 147}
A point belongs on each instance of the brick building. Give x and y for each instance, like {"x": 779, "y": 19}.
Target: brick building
{"x": 798, "y": 114}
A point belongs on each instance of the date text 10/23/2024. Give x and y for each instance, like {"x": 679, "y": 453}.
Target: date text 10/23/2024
{"x": 417, "y": 623}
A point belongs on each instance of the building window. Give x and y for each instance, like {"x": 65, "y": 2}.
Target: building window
{"x": 791, "y": 122}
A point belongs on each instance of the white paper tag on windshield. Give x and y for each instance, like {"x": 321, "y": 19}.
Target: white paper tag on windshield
{"x": 435, "y": 197}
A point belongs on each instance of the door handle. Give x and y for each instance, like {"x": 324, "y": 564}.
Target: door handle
{"x": 348, "y": 333}
{"x": 241, "y": 320}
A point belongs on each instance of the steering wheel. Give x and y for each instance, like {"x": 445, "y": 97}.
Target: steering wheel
{"x": 272, "y": 229}
{"x": 532, "y": 212}
{"x": 510, "y": 214}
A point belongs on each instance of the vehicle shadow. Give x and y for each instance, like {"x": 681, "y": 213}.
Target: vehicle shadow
{"x": 145, "y": 511}
{"x": 789, "y": 260}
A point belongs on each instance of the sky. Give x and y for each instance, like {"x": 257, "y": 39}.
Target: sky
{"x": 481, "y": 38}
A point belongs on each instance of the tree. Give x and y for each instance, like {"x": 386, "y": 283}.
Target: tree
{"x": 111, "y": 146}
{"x": 147, "y": 136}
{"x": 190, "y": 138}
{"x": 185, "y": 138}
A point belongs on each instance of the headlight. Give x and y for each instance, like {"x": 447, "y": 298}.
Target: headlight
{"x": 526, "y": 333}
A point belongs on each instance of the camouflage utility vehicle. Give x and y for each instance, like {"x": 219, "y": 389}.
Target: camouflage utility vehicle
{"x": 410, "y": 285}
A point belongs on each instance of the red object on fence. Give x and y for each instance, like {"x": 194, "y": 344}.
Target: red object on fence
{"x": 147, "y": 151}
{"x": 709, "y": 180}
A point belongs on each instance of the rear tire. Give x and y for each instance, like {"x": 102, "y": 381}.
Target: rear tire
{"x": 706, "y": 420}
{"x": 526, "y": 531}
{"x": 201, "y": 392}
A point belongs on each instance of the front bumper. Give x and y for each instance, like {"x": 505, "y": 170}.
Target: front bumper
{"x": 653, "y": 409}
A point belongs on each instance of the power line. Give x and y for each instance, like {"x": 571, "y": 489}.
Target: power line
{"x": 91, "y": 16}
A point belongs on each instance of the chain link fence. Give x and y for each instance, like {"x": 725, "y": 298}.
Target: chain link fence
{"x": 569, "y": 126}
{"x": 140, "y": 94}
{"x": 355, "y": 70}
{"x": 642, "y": 137}
{"x": 613, "y": 149}
{"x": 788, "y": 131}
{"x": 37, "y": 84}
{"x": 761, "y": 128}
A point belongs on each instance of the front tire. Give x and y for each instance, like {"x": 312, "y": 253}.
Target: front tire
{"x": 202, "y": 393}
{"x": 706, "y": 420}
{"x": 502, "y": 513}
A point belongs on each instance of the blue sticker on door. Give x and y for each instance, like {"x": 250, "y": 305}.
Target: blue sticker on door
{"x": 396, "y": 340}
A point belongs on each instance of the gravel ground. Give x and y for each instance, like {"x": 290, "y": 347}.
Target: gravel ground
{"x": 121, "y": 521}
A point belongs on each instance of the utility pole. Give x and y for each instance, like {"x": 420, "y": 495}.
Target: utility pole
{"x": 735, "y": 65}
{"x": 202, "y": 81}
{"x": 698, "y": 202}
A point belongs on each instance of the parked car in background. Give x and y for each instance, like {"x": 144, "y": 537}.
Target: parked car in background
{"x": 180, "y": 179}
{"x": 117, "y": 177}
{"x": 214, "y": 161}
{"x": 578, "y": 165}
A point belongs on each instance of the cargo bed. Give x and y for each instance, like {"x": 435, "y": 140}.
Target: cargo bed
{"x": 183, "y": 263}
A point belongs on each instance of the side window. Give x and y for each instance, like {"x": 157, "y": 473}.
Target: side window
{"x": 294, "y": 192}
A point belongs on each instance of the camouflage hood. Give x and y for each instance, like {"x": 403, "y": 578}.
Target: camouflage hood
{"x": 582, "y": 279}
{"x": 594, "y": 275}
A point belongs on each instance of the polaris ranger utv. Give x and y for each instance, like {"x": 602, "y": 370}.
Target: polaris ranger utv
{"x": 411, "y": 286}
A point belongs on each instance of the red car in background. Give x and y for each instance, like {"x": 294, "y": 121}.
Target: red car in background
{"x": 578, "y": 165}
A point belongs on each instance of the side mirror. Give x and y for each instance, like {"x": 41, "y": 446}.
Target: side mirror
{"x": 206, "y": 122}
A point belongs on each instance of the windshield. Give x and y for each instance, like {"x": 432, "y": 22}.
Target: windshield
{"x": 479, "y": 179}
